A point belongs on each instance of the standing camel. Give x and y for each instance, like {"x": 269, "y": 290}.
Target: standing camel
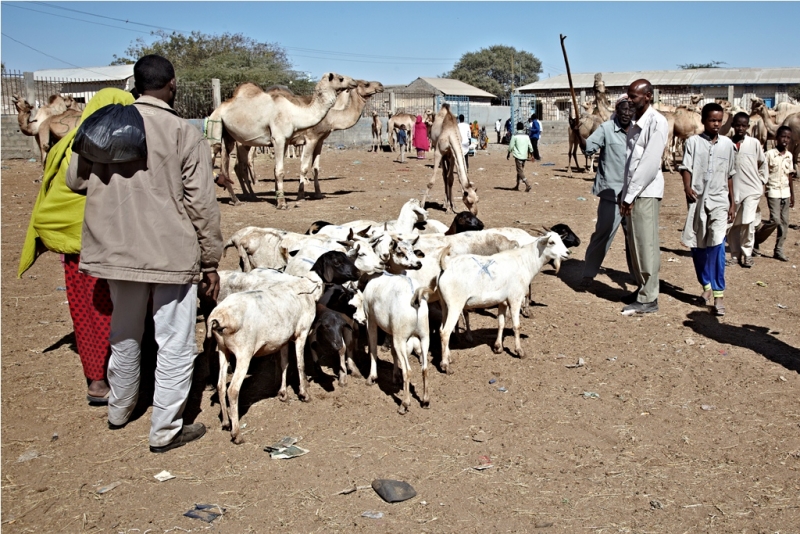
{"x": 343, "y": 115}
{"x": 446, "y": 145}
{"x": 53, "y": 120}
{"x": 588, "y": 124}
{"x": 377, "y": 127}
{"x": 254, "y": 117}
{"x": 409, "y": 120}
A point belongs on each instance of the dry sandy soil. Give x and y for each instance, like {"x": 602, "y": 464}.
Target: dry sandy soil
{"x": 696, "y": 427}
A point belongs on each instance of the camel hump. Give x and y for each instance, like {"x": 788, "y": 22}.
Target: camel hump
{"x": 247, "y": 89}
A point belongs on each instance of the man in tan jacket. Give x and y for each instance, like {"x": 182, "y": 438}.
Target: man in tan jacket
{"x": 152, "y": 229}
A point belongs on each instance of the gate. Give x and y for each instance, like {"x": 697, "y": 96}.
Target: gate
{"x": 522, "y": 106}
{"x": 459, "y": 105}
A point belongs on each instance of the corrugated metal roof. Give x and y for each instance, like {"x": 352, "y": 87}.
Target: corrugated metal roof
{"x": 113, "y": 72}
{"x": 456, "y": 87}
{"x": 743, "y": 76}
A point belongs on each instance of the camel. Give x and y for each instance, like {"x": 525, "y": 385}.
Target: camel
{"x": 588, "y": 124}
{"x": 446, "y": 145}
{"x": 792, "y": 121}
{"x": 784, "y": 109}
{"x": 53, "y": 120}
{"x": 377, "y": 130}
{"x": 343, "y": 115}
{"x": 602, "y": 104}
{"x": 254, "y": 117}
{"x": 409, "y": 120}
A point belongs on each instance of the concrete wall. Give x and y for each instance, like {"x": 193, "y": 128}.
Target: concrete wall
{"x": 13, "y": 143}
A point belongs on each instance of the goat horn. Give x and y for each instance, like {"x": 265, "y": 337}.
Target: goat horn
{"x": 546, "y": 229}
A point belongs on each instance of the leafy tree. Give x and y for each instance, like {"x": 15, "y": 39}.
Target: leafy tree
{"x": 709, "y": 65}
{"x": 231, "y": 57}
{"x": 794, "y": 92}
{"x": 490, "y": 69}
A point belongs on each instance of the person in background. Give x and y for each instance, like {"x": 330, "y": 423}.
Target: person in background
{"x": 152, "y": 228}
{"x": 498, "y": 128}
{"x": 748, "y": 187}
{"x": 609, "y": 139}
{"x": 464, "y": 132}
{"x": 475, "y": 130}
{"x": 535, "y": 133}
{"x": 780, "y": 192}
{"x": 421, "y": 142}
{"x": 708, "y": 168}
{"x": 55, "y": 225}
{"x": 402, "y": 139}
{"x": 520, "y": 147}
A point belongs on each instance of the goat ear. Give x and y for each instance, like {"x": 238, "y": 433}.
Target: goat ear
{"x": 327, "y": 272}
{"x": 350, "y": 235}
{"x": 419, "y": 254}
{"x": 364, "y": 232}
{"x": 294, "y": 253}
{"x": 330, "y": 76}
{"x": 415, "y": 241}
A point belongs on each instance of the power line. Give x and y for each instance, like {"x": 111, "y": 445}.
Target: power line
{"x": 80, "y": 20}
{"x": 371, "y": 55}
{"x": 52, "y": 57}
{"x": 109, "y": 18}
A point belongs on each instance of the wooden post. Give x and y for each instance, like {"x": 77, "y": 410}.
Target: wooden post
{"x": 569, "y": 78}
{"x": 216, "y": 95}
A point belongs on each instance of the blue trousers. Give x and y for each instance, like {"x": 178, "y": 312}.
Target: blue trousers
{"x": 709, "y": 264}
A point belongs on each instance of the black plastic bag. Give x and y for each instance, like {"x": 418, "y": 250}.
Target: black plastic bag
{"x": 112, "y": 134}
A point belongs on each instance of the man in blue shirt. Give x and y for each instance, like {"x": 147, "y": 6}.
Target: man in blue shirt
{"x": 610, "y": 140}
{"x": 534, "y": 134}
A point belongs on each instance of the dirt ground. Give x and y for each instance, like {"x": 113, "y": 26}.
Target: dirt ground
{"x": 695, "y": 426}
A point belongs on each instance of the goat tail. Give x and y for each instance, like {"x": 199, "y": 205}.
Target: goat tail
{"x": 422, "y": 293}
{"x": 444, "y": 258}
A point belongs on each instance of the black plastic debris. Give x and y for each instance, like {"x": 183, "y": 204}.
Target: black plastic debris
{"x": 393, "y": 490}
{"x": 204, "y": 512}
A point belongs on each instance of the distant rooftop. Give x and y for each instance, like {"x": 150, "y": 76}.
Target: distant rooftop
{"x": 108, "y": 73}
{"x": 691, "y": 77}
{"x": 449, "y": 86}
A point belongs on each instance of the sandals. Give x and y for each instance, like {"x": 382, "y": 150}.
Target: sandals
{"x": 706, "y": 297}
{"x": 98, "y": 400}
{"x": 719, "y": 307}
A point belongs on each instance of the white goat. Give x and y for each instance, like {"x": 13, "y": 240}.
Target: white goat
{"x": 257, "y": 323}
{"x": 471, "y": 281}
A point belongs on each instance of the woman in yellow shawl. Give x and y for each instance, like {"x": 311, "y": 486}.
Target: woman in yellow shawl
{"x": 55, "y": 225}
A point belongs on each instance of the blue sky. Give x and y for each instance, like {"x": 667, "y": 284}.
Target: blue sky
{"x": 396, "y": 42}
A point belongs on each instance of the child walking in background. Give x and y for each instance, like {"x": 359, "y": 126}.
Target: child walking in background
{"x": 780, "y": 192}
{"x": 520, "y": 147}
{"x": 707, "y": 169}
{"x": 402, "y": 138}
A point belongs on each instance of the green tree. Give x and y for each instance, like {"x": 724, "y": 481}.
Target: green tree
{"x": 709, "y": 65}
{"x": 794, "y": 92}
{"x": 490, "y": 69}
{"x": 231, "y": 57}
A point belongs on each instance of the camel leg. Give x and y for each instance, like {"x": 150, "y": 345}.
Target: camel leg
{"x": 316, "y": 168}
{"x": 437, "y": 159}
{"x": 224, "y": 169}
{"x": 243, "y": 170}
{"x": 279, "y": 144}
{"x": 448, "y": 173}
{"x": 305, "y": 165}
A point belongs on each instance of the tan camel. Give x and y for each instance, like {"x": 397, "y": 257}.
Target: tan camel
{"x": 254, "y": 117}
{"x": 588, "y": 124}
{"x": 784, "y": 109}
{"x": 792, "y": 121}
{"x": 52, "y": 122}
{"x": 409, "y": 120}
{"x": 343, "y": 115}
{"x": 446, "y": 145}
{"x": 377, "y": 130}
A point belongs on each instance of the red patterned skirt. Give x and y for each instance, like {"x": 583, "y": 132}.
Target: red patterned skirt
{"x": 90, "y": 307}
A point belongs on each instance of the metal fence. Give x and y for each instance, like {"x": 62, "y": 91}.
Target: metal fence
{"x": 40, "y": 90}
{"x": 12, "y": 84}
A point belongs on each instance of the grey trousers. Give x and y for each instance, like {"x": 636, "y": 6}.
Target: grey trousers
{"x": 608, "y": 221}
{"x": 174, "y": 315}
{"x": 645, "y": 247}
{"x": 778, "y": 218}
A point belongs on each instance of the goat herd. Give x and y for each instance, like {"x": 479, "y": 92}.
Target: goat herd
{"x": 319, "y": 286}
